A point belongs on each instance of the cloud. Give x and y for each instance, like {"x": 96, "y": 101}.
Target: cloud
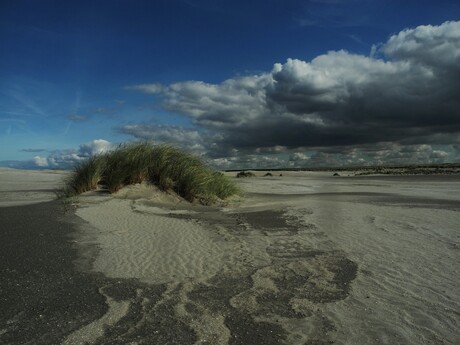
{"x": 106, "y": 111}
{"x": 189, "y": 138}
{"x": 355, "y": 38}
{"x": 333, "y": 14}
{"x": 299, "y": 157}
{"x": 146, "y": 88}
{"x": 436, "y": 47}
{"x": 40, "y": 161}
{"x": 95, "y": 147}
{"x": 33, "y": 150}
{"x": 62, "y": 159}
{"x": 249, "y": 161}
{"x": 347, "y": 108}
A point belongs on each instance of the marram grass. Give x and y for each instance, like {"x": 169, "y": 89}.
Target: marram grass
{"x": 166, "y": 166}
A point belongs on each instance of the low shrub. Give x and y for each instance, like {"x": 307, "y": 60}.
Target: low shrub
{"x": 245, "y": 174}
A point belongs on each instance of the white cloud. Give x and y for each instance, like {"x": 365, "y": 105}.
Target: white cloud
{"x": 94, "y": 147}
{"x": 438, "y": 155}
{"x": 408, "y": 96}
{"x": 188, "y": 138}
{"x": 235, "y": 101}
{"x": 147, "y": 88}
{"x": 40, "y": 161}
{"x": 64, "y": 159}
{"x": 297, "y": 157}
{"x": 435, "y": 46}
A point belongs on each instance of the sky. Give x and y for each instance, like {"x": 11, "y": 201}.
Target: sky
{"x": 242, "y": 83}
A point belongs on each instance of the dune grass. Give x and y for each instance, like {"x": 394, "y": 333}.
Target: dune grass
{"x": 242, "y": 174}
{"x": 166, "y": 166}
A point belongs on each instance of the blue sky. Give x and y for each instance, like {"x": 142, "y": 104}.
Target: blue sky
{"x": 242, "y": 83}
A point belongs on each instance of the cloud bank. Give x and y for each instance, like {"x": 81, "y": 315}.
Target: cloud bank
{"x": 61, "y": 159}
{"x": 405, "y": 94}
{"x": 398, "y": 105}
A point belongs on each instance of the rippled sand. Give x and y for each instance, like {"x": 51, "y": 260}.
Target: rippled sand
{"x": 306, "y": 258}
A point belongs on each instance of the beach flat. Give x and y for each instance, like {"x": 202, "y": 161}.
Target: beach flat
{"x": 306, "y": 258}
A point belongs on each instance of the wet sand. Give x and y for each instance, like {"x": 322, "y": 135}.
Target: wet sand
{"x": 306, "y": 258}
{"x": 42, "y": 295}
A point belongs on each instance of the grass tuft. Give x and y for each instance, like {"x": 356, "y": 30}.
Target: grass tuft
{"x": 242, "y": 174}
{"x": 166, "y": 166}
{"x": 84, "y": 177}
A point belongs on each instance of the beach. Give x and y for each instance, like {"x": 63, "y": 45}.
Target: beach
{"x": 302, "y": 258}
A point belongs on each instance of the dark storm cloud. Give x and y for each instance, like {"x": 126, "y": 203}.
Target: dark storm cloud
{"x": 405, "y": 93}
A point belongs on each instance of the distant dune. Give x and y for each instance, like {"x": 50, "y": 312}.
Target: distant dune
{"x": 429, "y": 169}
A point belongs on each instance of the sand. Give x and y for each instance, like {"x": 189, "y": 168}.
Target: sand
{"x": 150, "y": 246}
{"x": 306, "y": 258}
{"x": 25, "y": 187}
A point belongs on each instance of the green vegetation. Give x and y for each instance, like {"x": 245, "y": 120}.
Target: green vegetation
{"x": 166, "y": 166}
{"x": 245, "y": 174}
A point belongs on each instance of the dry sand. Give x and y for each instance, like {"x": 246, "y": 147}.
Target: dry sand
{"x": 306, "y": 258}
{"x": 25, "y": 187}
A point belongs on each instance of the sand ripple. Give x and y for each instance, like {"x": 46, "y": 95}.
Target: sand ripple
{"x": 151, "y": 247}
{"x": 350, "y": 262}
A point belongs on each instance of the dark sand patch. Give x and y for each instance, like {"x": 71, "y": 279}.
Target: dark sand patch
{"x": 42, "y": 296}
{"x": 52, "y": 297}
{"x": 245, "y": 304}
{"x": 151, "y": 318}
